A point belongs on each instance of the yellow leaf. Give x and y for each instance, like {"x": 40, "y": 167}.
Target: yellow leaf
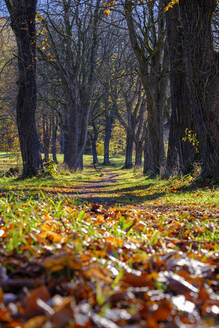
{"x": 51, "y": 236}
{"x": 107, "y": 12}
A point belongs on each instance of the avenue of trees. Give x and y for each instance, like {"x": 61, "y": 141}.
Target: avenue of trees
{"x": 88, "y": 69}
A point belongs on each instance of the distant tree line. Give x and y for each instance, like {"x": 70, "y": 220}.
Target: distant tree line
{"x": 88, "y": 66}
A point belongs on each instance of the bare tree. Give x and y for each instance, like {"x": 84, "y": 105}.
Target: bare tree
{"x": 147, "y": 36}
{"x": 72, "y": 30}
{"x": 132, "y": 114}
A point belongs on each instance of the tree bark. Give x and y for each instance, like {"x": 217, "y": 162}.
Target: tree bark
{"x": 129, "y": 150}
{"x": 46, "y": 137}
{"x": 138, "y": 153}
{"x": 94, "y": 138}
{"x": 62, "y": 140}
{"x": 54, "y": 137}
{"x": 75, "y": 134}
{"x": 81, "y": 162}
{"x": 146, "y": 156}
{"x": 181, "y": 154}
{"x": 147, "y": 145}
{"x": 22, "y": 15}
{"x": 202, "y": 69}
{"x": 107, "y": 138}
{"x": 110, "y": 117}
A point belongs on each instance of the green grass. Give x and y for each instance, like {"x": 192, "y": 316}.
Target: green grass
{"x": 22, "y": 215}
{"x": 134, "y": 187}
{"x": 129, "y": 187}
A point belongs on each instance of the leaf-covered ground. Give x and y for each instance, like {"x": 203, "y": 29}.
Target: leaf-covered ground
{"x": 152, "y": 263}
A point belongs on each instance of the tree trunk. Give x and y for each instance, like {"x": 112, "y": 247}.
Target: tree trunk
{"x": 22, "y": 15}
{"x": 108, "y": 132}
{"x": 161, "y": 101}
{"x": 138, "y": 153}
{"x": 46, "y": 138}
{"x": 202, "y": 69}
{"x": 129, "y": 150}
{"x": 153, "y": 141}
{"x": 62, "y": 140}
{"x": 54, "y": 138}
{"x": 107, "y": 138}
{"x": 94, "y": 138}
{"x": 81, "y": 162}
{"x": 147, "y": 165}
{"x": 71, "y": 138}
{"x": 75, "y": 133}
{"x": 181, "y": 153}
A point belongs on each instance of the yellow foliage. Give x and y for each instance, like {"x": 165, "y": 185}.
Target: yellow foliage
{"x": 171, "y": 4}
{"x": 107, "y": 12}
{"x": 117, "y": 142}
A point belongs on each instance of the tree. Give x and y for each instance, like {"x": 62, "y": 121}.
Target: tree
{"x": 202, "y": 77}
{"x": 147, "y": 36}
{"x": 72, "y": 32}
{"x": 22, "y": 15}
{"x": 113, "y": 45}
{"x": 181, "y": 153}
{"x": 132, "y": 115}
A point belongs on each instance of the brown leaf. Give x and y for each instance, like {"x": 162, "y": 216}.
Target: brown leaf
{"x": 64, "y": 314}
{"x": 163, "y": 311}
{"x": 143, "y": 280}
{"x": 30, "y": 306}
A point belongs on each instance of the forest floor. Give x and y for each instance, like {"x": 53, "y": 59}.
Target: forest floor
{"x": 109, "y": 248}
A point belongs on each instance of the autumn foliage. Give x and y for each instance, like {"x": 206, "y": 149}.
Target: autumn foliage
{"x": 68, "y": 265}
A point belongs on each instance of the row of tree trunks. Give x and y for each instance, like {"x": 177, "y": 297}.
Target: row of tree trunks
{"x": 49, "y": 137}
{"x": 194, "y": 77}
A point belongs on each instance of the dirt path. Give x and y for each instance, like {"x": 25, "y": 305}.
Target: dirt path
{"x": 92, "y": 192}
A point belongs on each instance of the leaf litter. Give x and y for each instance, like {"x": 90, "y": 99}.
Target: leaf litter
{"x": 89, "y": 266}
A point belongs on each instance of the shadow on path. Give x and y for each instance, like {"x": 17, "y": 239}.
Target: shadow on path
{"x": 99, "y": 191}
